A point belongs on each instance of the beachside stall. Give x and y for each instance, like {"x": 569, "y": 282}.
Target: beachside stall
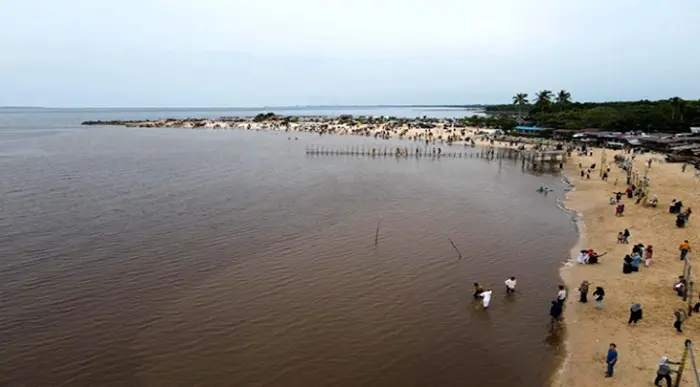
{"x": 528, "y": 130}
{"x": 684, "y": 154}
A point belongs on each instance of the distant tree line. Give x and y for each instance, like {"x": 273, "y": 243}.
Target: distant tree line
{"x": 559, "y": 111}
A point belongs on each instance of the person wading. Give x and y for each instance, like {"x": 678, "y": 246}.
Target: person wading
{"x": 510, "y": 285}
{"x": 561, "y": 295}
{"x": 478, "y": 289}
{"x": 486, "y": 298}
{"x": 555, "y": 312}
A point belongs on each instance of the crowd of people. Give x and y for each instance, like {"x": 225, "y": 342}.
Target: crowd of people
{"x": 632, "y": 263}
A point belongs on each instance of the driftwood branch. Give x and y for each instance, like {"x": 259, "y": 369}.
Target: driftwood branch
{"x": 376, "y": 234}
{"x": 456, "y": 249}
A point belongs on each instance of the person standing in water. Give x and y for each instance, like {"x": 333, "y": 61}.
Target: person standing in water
{"x": 510, "y": 285}
{"x": 486, "y": 298}
{"x": 555, "y": 312}
{"x": 477, "y": 290}
{"x": 561, "y": 295}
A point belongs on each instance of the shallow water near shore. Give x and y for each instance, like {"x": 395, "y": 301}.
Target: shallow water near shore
{"x": 174, "y": 257}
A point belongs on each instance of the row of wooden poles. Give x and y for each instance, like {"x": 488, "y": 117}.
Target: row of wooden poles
{"x": 435, "y": 152}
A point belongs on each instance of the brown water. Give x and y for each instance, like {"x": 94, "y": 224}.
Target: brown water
{"x": 168, "y": 257}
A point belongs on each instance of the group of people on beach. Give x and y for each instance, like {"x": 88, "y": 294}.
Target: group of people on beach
{"x": 641, "y": 252}
{"x": 682, "y": 217}
{"x": 631, "y": 262}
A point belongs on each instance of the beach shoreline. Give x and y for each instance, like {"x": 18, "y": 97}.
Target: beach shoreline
{"x": 565, "y": 273}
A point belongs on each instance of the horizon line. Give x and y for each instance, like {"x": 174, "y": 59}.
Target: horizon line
{"x": 254, "y": 107}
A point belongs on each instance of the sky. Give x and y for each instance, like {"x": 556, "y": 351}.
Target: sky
{"x": 252, "y": 53}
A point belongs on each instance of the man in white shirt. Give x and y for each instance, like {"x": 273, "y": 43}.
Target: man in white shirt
{"x": 510, "y": 285}
{"x": 486, "y": 298}
{"x": 561, "y": 295}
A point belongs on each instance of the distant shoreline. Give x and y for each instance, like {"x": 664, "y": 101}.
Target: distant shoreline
{"x": 298, "y": 107}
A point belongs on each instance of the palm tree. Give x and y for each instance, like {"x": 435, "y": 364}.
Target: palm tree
{"x": 563, "y": 98}
{"x": 544, "y": 98}
{"x": 520, "y": 99}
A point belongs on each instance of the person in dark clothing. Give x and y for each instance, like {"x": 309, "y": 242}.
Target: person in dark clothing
{"x": 583, "y": 290}
{"x": 680, "y": 220}
{"x": 664, "y": 371}
{"x": 680, "y": 316}
{"x": 635, "y": 314}
{"x": 627, "y": 265}
{"x": 626, "y": 234}
{"x": 611, "y": 360}
{"x": 696, "y": 307}
{"x": 681, "y": 287}
{"x": 598, "y": 296}
{"x": 555, "y": 313}
{"x": 478, "y": 289}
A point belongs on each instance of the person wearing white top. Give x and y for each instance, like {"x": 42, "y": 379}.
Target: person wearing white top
{"x": 561, "y": 295}
{"x": 486, "y": 298}
{"x": 510, "y": 285}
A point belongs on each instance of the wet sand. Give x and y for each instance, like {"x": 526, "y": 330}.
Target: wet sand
{"x": 589, "y": 331}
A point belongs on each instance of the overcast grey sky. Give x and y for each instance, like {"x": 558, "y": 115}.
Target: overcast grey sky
{"x": 324, "y": 52}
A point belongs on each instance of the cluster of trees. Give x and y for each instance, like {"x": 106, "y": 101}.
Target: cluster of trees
{"x": 559, "y": 111}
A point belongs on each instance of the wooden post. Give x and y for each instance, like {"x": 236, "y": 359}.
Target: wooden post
{"x": 679, "y": 375}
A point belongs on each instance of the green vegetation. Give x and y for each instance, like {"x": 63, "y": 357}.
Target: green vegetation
{"x": 500, "y": 121}
{"x": 559, "y": 111}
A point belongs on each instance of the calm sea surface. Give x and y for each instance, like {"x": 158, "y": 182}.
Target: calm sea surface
{"x": 176, "y": 257}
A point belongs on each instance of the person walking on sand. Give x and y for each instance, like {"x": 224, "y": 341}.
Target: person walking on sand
{"x": 665, "y": 371}
{"x": 598, "y": 296}
{"x": 626, "y": 235}
{"x": 510, "y": 285}
{"x": 635, "y": 314}
{"x": 680, "y": 317}
{"x": 685, "y": 249}
{"x": 611, "y": 360}
{"x": 486, "y": 298}
{"x": 583, "y": 290}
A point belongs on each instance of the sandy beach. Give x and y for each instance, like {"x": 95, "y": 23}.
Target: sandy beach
{"x": 589, "y": 331}
{"x": 436, "y": 132}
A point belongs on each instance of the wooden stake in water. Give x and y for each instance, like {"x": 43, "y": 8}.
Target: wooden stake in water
{"x": 376, "y": 234}
{"x": 456, "y": 249}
